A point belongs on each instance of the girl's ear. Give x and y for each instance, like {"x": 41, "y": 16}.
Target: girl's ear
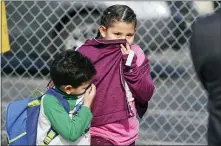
{"x": 102, "y": 29}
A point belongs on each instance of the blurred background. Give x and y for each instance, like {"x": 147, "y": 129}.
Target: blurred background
{"x": 38, "y": 30}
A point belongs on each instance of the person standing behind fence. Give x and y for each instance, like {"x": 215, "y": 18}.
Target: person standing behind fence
{"x": 205, "y": 46}
{"x": 112, "y": 124}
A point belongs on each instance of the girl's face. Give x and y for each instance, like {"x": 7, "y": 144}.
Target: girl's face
{"x": 119, "y": 30}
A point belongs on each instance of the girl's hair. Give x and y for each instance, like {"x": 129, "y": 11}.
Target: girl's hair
{"x": 117, "y": 13}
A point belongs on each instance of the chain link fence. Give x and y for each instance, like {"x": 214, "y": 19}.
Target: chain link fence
{"x": 38, "y": 30}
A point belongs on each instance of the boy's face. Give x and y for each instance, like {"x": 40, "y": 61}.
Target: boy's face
{"x": 79, "y": 90}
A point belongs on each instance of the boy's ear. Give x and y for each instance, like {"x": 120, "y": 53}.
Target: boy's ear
{"x": 68, "y": 89}
{"x": 102, "y": 29}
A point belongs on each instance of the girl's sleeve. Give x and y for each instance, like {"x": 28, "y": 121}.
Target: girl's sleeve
{"x": 138, "y": 76}
{"x": 70, "y": 129}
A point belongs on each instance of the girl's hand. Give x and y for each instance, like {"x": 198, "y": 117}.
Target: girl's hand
{"x": 125, "y": 50}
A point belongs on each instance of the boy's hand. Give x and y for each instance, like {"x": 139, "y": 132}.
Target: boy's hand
{"x": 89, "y": 96}
{"x": 125, "y": 50}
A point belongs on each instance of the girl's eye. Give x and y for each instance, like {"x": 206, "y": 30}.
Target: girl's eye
{"x": 129, "y": 36}
{"x": 117, "y": 34}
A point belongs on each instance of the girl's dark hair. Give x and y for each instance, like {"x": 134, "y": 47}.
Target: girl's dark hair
{"x": 117, "y": 13}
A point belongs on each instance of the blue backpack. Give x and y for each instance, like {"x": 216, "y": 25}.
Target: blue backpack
{"x": 22, "y": 120}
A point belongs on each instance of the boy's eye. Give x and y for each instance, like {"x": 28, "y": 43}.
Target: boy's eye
{"x": 87, "y": 86}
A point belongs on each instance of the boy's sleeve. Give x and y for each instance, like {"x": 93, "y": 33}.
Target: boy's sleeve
{"x": 138, "y": 77}
{"x": 70, "y": 129}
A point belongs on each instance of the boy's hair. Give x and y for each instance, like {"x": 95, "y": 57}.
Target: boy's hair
{"x": 116, "y": 13}
{"x": 71, "y": 68}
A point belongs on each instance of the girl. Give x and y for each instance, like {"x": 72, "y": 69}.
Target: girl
{"x": 123, "y": 81}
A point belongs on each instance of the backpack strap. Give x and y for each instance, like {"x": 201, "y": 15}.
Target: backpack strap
{"x": 60, "y": 98}
{"x": 51, "y": 134}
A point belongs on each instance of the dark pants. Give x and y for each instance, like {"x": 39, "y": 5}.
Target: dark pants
{"x": 101, "y": 141}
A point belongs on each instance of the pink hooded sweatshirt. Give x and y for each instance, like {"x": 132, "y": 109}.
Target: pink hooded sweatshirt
{"x": 112, "y": 118}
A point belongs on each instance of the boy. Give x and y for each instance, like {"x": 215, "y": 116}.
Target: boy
{"x": 72, "y": 75}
